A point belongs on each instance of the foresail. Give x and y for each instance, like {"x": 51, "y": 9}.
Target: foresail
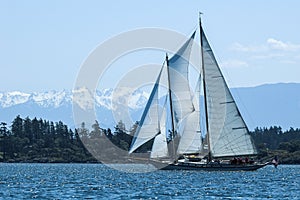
{"x": 228, "y": 133}
{"x": 160, "y": 146}
{"x": 149, "y": 125}
{"x": 179, "y": 83}
{"x": 191, "y": 139}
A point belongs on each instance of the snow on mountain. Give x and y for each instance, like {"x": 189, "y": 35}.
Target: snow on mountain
{"x": 52, "y": 98}
{"x": 8, "y": 99}
{"x": 58, "y": 105}
{"x": 82, "y": 97}
{"x": 104, "y": 98}
{"x": 43, "y": 99}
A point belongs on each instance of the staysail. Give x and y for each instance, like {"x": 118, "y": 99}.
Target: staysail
{"x": 160, "y": 146}
{"x": 228, "y": 133}
{"x": 191, "y": 139}
{"x": 149, "y": 125}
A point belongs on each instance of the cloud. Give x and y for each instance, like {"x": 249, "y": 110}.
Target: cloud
{"x": 251, "y": 48}
{"x": 279, "y": 45}
{"x": 233, "y": 64}
{"x": 269, "y": 45}
{"x": 271, "y": 49}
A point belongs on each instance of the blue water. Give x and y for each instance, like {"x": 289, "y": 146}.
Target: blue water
{"x": 96, "y": 181}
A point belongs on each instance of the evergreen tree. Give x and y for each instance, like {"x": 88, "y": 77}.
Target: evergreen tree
{"x": 17, "y": 127}
{"x": 28, "y": 129}
{"x": 4, "y": 148}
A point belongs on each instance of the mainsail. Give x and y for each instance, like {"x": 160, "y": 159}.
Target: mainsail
{"x": 228, "y": 133}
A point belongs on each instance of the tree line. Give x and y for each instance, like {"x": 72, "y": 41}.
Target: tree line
{"x": 38, "y": 140}
{"x": 274, "y": 141}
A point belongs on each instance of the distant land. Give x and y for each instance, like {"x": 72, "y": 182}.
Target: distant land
{"x": 270, "y": 104}
{"x": 261, "y": 106}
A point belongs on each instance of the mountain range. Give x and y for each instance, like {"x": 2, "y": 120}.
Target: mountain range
{"x": 261, "y": 106}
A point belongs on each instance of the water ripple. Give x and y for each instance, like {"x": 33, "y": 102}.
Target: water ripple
{"x": 96, "y": 181}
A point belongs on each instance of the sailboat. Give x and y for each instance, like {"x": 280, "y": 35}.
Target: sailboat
{"x": 174, "y": 127}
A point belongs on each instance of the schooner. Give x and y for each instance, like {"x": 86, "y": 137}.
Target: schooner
{"x": 178, "y": 143}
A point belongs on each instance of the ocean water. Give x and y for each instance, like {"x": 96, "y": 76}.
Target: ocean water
{"x": 97, "y": 181}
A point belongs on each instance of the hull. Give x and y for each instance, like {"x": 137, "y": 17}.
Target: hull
{"x": 207, "y": 167}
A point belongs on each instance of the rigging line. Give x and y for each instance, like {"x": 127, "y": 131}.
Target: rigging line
{"x": 230, "y": 142}
{"x": 159, "y": 128}
{"x": 237, "y": 94}
{"x": 171, "y": 108}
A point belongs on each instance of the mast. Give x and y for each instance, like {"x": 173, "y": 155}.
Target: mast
{"x": 171, "y": 108}
{"x": 204, "y": 89}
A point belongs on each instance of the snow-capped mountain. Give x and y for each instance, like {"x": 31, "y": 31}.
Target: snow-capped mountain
{"x": 44, "y": 99}
{"x": 84, "y": 98}
{"x": 57, "y": 105}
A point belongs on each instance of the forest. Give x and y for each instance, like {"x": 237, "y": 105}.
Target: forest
{"x": 43, "y": 141}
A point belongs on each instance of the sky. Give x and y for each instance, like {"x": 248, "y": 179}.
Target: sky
{"x": 43, "y": 44}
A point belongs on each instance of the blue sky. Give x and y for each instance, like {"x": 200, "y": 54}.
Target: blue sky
{"x": 44, "y": 43}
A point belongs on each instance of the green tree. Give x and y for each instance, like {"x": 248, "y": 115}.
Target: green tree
{"x": 17, "y": 127}
{"x": 28, "y": 129}
{"x": 4, "y": 142}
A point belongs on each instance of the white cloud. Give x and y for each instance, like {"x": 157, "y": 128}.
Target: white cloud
{"x": 269, "y": 45}
{"x": 234, "y": 64}
{"x": 279, "y": 45}
{"x": 251, "y": 48}
{"x": 271, "y": 49}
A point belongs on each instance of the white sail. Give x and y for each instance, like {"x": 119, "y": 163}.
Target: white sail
{"x": 179, "y": 83}
{"x": 190, "y": 141}
{"x": 228, "y": 133}
{"x": 149, "y": 125}
{"x": 160, "y": 146}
